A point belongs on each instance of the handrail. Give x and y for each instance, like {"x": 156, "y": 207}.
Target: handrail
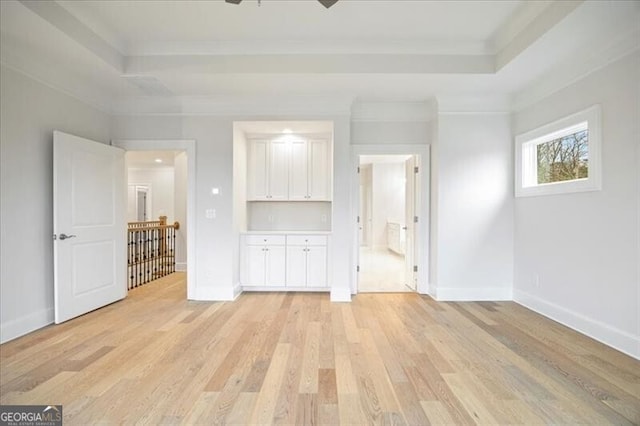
{"x": 151, "y": 250}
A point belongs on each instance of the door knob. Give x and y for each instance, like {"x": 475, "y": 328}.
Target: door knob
{"x": 65, "y": 236}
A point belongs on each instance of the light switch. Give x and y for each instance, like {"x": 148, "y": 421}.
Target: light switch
{"x": 210, "y": 213}
{"x": 215, "y": 191}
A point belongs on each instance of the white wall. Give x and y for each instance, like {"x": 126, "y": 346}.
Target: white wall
{"x": 473, "y": 207}
{"x": 161, "y": 183}
{"x": 216, "y": 269}
{"x": 239, "y": 195}
{"x": 289, "y": 216}
{"x": 576, "y": 255}
{"x": 388, "y": 180}
{"x": 30, "y": 112}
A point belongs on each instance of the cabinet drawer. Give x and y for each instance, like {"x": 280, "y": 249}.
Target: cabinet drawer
{"x": 307, "y": 240}
{"x": 272, "y": 240}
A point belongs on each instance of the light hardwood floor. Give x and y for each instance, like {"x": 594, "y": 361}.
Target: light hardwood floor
{"x": 381, "y": 271}
{"x": 297, "y": 358}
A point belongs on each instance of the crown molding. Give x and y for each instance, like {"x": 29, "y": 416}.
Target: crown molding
{"x": 393, "y": 111}
{"x": 477, "y": 104}
{"x": 248, "y": 107}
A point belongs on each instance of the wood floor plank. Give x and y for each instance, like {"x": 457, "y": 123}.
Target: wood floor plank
{"x": 264, "y": 408}
{"x": 298, "y": 358}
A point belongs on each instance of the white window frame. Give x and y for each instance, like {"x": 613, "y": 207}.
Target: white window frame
{"x": 526, "y": 158}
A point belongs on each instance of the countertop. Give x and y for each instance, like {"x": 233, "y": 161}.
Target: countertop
{"x": 286, "y": 233}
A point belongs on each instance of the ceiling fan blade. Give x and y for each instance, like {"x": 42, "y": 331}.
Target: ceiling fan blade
{"x": 233, "y": 1}
{"x": 328, "y": 3}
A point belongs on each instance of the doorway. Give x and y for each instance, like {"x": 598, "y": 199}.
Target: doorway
{"x": 387, "y": 201}
{"x": 391, "y": 241}
{"x": 182, "y": 209}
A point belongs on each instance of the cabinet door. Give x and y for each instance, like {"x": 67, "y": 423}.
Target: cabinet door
{"x": 296, "y": 266}
{"x": 298, "y": 173}
{"x": 258, "y": 170}
{"x": 276, "y": 266}
{"x": 319, "y": 171}
{"x": 255, "y": 266}
{"x": 279, "y": 171}
{"x": 316, "y": 266}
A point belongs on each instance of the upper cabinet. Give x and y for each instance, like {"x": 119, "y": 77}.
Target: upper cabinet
{"x": 289, "y": 169}
{"x": 268, "y": 170}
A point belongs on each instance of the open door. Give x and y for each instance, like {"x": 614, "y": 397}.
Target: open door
{"x": 411, "y": 224}
{"x": 88, "y": 224}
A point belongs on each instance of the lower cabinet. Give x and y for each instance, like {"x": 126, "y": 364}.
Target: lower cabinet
{"x": 264, "y": 261}
{"x": 287, "y": 261}
{"x": 307, "y": 261}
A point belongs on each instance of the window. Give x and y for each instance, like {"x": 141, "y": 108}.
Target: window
{"x": 560, "y": 157}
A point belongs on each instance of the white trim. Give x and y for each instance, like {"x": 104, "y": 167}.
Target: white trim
{"x": 188, "y": 145}
{"x": 214, "y": 294}
{"x": 149, "y": 190}
{"x": 18, "y": 327}
{"x": 525, "y": 160}
{"x": 470, "y": 294}
{"x": 342, "y": 294}
{"x": 604, "y": 333}
{"x": 286, "y": 289}
{"x": 395, "y": 112}
{"x": 422, "y": 256}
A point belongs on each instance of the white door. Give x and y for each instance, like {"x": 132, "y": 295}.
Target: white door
{"x": 298, "y": 172}
{"x": 276, "y": 266}
{"x": 279, "y": 170}
{"x": 296, "y": 266}
{"x": 319, "y": 178}
{"x": 88, "y": 223}
{"x": 411, "y": 179}
{"x": 256, "y": 266}
{"x": 317, "y": 266}
{"x": 258, "y": 183}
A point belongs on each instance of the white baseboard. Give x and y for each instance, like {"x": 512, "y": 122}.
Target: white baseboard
{"x": 471, "y": 294}
{"x": 237, "y": 290}
{"x": 604, "y": 333}
{"x": 215, "y": 294}
{"x": 341, "y": 294}
{"x": 286, "y": 289}
{"x": 181, "y": 266}
{"x": 19, "y": 327}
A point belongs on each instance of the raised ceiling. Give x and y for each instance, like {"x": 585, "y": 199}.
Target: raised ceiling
{"x": 214, "y": 57}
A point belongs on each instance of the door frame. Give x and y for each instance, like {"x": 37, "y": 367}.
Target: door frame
{"x": 189, "y": 146}
{"x": 422, "y": 255}
{"x": 148, "y": 191}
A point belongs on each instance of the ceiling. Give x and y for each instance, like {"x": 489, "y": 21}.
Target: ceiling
{"x": 213, "y": 57}
{"x": 150, "y": 159}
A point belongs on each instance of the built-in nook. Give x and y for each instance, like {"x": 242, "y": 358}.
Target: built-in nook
{"x": 282, "y": 190}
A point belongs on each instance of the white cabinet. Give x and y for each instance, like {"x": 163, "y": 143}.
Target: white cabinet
{"x": 310, "y": 177}
{"x": 395, "y": 237}
{"x": 319, "y": 169}
{"x": 306, "y": 261}
{"x": 291, "y": 261}
{"x": 268, "y": 170}
{"x": 264, "y": 259}
{"x": 293, "y": 169}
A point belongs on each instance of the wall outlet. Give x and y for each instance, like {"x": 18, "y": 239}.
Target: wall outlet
{"x": 536, "y": 281}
